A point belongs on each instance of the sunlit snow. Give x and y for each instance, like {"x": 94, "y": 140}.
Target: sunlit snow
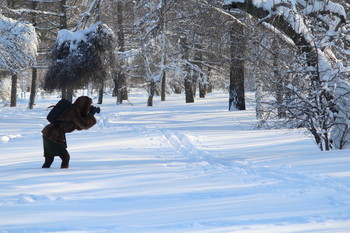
{"x": 174, "y": 167}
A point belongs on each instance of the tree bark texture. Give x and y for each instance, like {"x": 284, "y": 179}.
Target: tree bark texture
{"x": 187, "y": 79}
{"x": 14, "y": 81}
{"x": 100, "y": 94}
{"x": 152, "y": 87}
{"x": 162, "y": 24}
{"x": 209, "y": 84}
{"x": 67, "y": 92}
{"x": 237, "y": 94}
{"x": 120, "y": 90}
{"x": 33, "y": 88}
{"x": 279, "y": 80}
{"x": 163, "y": 87}
{"x": 202, "y": 82}
{"x": 63, "y": 17}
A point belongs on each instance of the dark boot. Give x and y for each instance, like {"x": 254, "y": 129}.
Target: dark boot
{"x": 65, "y": 161}
{"x": 48, "y": 162}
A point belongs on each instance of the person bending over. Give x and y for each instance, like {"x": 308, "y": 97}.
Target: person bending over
{"x": 75, "y": 117}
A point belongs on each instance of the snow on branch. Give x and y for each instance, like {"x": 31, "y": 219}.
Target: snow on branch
{"x": 87, "y": 14}
{"x": 290, "y": 17}
{"x": 327, "y": 7}
{"x": 30, "y": 11}
{"x": 45, "y": 1}
{"x": 18, "y": 44}
{"x": 283, "y": 7}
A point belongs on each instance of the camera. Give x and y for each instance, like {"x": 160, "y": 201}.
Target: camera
{"x": 93, "y": 110}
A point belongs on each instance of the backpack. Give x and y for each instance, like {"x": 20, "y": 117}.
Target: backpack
{"x": 57, "y": 110}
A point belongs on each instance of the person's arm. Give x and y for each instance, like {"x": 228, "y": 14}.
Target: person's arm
{"x": 84, "y": 122}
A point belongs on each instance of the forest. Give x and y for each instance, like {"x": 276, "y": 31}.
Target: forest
{"x": 294, "y": 55}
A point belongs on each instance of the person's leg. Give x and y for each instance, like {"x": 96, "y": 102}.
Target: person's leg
{"x": 65, "y": 160}
{"x": 48, "y": 162}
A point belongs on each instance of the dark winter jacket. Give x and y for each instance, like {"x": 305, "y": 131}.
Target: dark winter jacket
{"x": 75, "y": 117}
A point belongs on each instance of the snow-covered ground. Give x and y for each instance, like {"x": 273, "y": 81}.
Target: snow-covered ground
{"x": 174, "y": 167}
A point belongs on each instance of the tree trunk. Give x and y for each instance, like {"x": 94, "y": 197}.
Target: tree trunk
{"x": 64, "y": 92}
{"x": 237, "y": 95}
{"x": 118, "y": 87}
{"x": 100, "y": 94}
{"x": 209, "y": 85}
{"x": 63, "y": 15}
{"x": 198, "y": 58}
{"x": 121, "y": 90}
{"x": 124, "y": 90}
{"x": 257, "y": 77}
{"x": 202, "y": 87}
{"x": 34, "y": 70}
{"x": 162, "y": 22}
{"x": 278, "y": 77}
{"x": 14, "y": 80}
{"x": 101, "y": 88}
{"x": 258, "y": 97}
{"x": 33, "y": 88}
{"x": 187, "y": 79}
{"x": 115, "y": 88}
{"x": 194, "y": 79}
{"x": 152, "y": 87}
{"x": 67, "y": 93}
{"x": 189, "y": 90}
{"x": 163, "y": 87}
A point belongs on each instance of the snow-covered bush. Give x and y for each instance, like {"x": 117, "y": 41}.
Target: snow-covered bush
{"x": 81, "y": 57}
